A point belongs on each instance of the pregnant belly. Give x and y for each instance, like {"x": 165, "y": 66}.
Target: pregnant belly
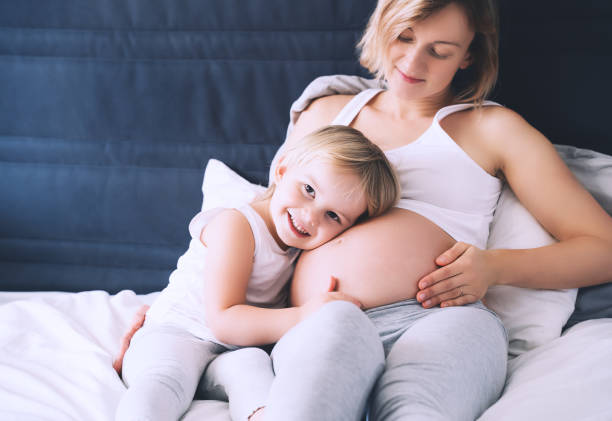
{"x": 378, "y": 262}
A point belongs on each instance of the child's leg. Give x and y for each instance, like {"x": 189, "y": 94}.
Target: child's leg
{"x": 244, "y": 376}
{"x": 162, "y": 368}
{"x": 326, "y": 366}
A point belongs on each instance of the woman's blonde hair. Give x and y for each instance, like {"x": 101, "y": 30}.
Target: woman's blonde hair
{"x": 392, "y": 17}
{"x": 348, "y": 149}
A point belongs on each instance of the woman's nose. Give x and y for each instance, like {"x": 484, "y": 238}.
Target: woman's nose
{"x": 413, "y": 60}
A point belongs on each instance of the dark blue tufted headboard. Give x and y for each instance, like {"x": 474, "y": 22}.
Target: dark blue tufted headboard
{"x": 110, "y": 109}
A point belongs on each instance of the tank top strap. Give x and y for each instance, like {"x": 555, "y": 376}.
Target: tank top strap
{"x": 352, "y": 108}
{"x": 264, "y": 241}
{"x": 450, "y": 109}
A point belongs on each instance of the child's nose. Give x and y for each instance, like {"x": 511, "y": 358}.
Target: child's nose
{"x": 310, "y": 217}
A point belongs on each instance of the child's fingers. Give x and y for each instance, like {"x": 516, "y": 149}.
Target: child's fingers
{"x": 345, "y": 297}
{"x": 333, "y": 284}
{"x": 137, "y": 322}
{"x": 140, "y": 315}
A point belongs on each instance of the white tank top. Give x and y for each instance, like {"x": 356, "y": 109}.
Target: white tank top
{"x": 438, "y": 179}
{"x": 181, "y": 303}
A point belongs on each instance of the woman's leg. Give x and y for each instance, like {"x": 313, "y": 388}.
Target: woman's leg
{"x": 449, "y": 365}
{"x": 162, "y": 368}
{"x": 243, "y": 376}
{"x": 325, "y": 366}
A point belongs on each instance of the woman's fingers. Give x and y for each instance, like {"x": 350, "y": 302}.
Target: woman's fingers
{"x": 452, "y": 253}
{"x": 463, "y": 300}
{"x": 445, "y": 285}
{"x": 438, "y": 282}
{"x": 454, "y": 296}
{"x": 464, "y": 277}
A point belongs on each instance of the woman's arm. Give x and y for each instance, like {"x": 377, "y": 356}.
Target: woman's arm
{"x": 231, "y": 246}
{"x": 548, "y": 189}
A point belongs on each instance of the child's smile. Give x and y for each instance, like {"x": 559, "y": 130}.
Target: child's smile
{"x": 297, "y": 227}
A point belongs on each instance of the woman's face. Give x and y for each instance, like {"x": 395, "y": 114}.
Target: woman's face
{"x": 423, "y": 60}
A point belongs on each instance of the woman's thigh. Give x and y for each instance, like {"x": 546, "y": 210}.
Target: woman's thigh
{"x": 449, "y": 365}
{"x": 326, "y": 366}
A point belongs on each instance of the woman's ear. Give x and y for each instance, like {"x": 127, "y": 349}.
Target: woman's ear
{"x": 467, "y": 61}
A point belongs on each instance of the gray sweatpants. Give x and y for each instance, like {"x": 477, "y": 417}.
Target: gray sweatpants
{"x": 441, "y": 364}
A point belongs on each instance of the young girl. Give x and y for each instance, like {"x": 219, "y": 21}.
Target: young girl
{"x": 229, "y": 289}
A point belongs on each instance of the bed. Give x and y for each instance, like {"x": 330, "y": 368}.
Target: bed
{"x": 121, "y": 119}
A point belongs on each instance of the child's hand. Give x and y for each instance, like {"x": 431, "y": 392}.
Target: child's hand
{"x": 137, "y": 323}
{"x": 330, "y": 295}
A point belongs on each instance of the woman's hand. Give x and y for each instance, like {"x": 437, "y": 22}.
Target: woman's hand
{"x": 331, "y": 294}
{"x": 465, "y": 274}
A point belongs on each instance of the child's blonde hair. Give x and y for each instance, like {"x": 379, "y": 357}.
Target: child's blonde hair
{"x": 348, "y": 149}
{"x": 392, "y": 17}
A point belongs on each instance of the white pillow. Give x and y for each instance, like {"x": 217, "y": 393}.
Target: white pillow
{"x": 532, "y": 317}
{"x": 222, "y": 187}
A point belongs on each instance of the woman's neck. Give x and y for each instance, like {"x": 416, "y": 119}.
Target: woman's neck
{"x": 413, "y": 109}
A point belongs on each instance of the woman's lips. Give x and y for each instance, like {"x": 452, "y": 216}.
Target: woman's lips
{"x": 410, "y": 79}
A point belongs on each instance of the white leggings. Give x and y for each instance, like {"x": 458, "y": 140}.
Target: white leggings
{"x": 163, "y": 366}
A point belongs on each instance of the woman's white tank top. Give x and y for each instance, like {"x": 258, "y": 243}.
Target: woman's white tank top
{"x": 438, "y": 179}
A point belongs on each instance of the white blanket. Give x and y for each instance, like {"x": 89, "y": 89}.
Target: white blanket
{"x": 56, "y": 351}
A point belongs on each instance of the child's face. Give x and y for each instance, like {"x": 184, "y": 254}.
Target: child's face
{"x": 313, "y": 203}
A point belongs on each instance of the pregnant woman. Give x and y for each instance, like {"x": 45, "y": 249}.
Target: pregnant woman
{"x": 420, "y": 270}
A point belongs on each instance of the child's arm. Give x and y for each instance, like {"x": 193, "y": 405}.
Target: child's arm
{"x": 231, "y": 247}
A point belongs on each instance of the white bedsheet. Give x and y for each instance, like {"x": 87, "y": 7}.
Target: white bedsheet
{"x": 56, "y": 351}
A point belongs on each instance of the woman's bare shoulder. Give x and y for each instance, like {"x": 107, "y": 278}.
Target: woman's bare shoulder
{"x": 496, "y": 123}
{"x": 319, "y": 113}
{"x": 326, "y": 107}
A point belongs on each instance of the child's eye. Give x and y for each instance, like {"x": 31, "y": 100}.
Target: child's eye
{"x": 309, "y": 190}
{"x": 334, "y": 216}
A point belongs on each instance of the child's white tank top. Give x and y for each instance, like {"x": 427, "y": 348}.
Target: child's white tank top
{"x": 438, "y": 179}
{"x": 181, "y": 303}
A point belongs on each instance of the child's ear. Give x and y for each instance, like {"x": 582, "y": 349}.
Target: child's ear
{"x": 280, "y": 170}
